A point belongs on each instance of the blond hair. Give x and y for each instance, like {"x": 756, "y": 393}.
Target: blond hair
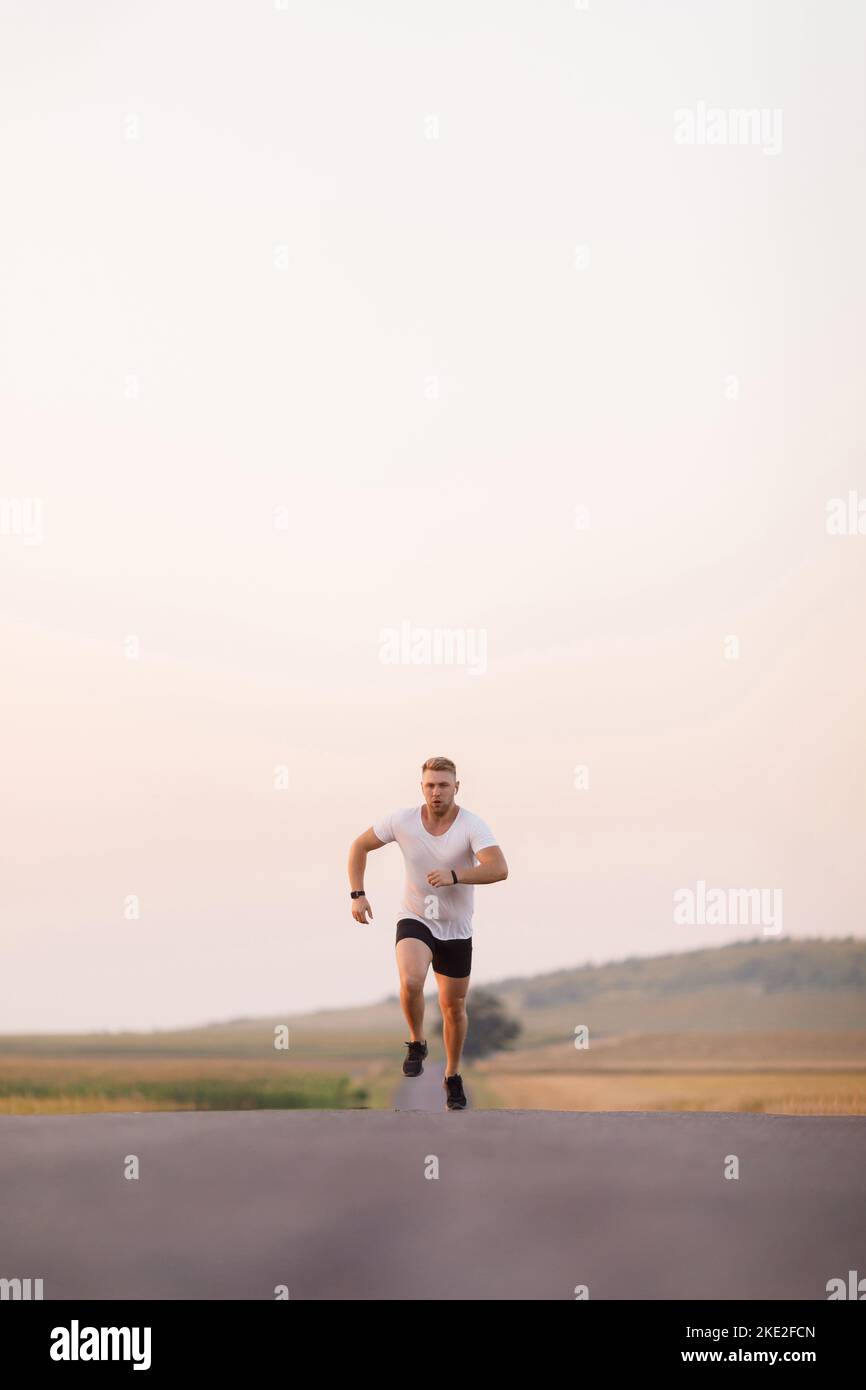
{"x": 440, "y": 765}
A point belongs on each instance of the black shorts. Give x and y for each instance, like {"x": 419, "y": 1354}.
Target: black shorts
{"x": 452, "y": 958}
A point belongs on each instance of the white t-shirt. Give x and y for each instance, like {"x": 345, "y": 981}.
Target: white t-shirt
{"x": 447, "y": 911}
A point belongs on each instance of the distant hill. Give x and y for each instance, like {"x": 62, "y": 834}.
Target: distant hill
{"x": 761, "y": 985}
{"x": 763, "y": 963}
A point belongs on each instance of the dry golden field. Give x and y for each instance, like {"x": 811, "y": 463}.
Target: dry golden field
{"x": 784, "y": 1073}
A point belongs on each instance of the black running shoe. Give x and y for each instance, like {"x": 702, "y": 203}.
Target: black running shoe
{"x": 456, "y": 1097}
{"x": 413, "y": 1065}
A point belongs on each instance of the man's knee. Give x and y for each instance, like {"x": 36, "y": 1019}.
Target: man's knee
{"x": 454, "y": 1008}
{"x": 412, "y": 985}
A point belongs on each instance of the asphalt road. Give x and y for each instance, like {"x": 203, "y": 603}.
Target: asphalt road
{"x": 526, "y": 1204}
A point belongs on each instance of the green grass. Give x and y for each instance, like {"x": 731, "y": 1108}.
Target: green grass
{"x": 195, "y": 1093}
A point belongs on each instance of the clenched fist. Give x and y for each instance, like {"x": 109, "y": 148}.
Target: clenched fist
{"x": 440, "y": 878}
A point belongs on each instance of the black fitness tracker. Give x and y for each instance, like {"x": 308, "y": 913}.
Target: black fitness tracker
{"x": 453, "y": 875}
{"x": 357, "y": 893}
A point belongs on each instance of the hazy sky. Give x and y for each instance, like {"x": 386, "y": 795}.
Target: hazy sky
{"x": 318, "y": 318}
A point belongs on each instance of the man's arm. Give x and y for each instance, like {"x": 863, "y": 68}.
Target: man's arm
{"x": 358, "y": 852}
{"x": 492, "y": 868}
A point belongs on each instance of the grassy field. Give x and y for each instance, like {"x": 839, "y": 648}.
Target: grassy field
{"x": 795, "y": 1072}
{"x": 757, "y": 1025}
{"x": 39, "y": 1085}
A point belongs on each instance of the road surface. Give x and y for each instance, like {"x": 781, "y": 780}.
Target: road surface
{"x": 339, "y": 1204}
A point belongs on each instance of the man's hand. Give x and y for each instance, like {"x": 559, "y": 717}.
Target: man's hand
{"x": 440, "y": 878}
{"x": 360, "y": 908}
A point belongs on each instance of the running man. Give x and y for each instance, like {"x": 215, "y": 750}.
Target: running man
{"x": 446, "y": 850}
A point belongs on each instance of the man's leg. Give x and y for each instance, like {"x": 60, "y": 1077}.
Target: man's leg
{"x": 452, "y": 1002}
{"x": 413, "y": 962}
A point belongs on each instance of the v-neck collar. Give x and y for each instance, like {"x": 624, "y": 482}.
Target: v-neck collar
{"x": 444, "y": 832}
